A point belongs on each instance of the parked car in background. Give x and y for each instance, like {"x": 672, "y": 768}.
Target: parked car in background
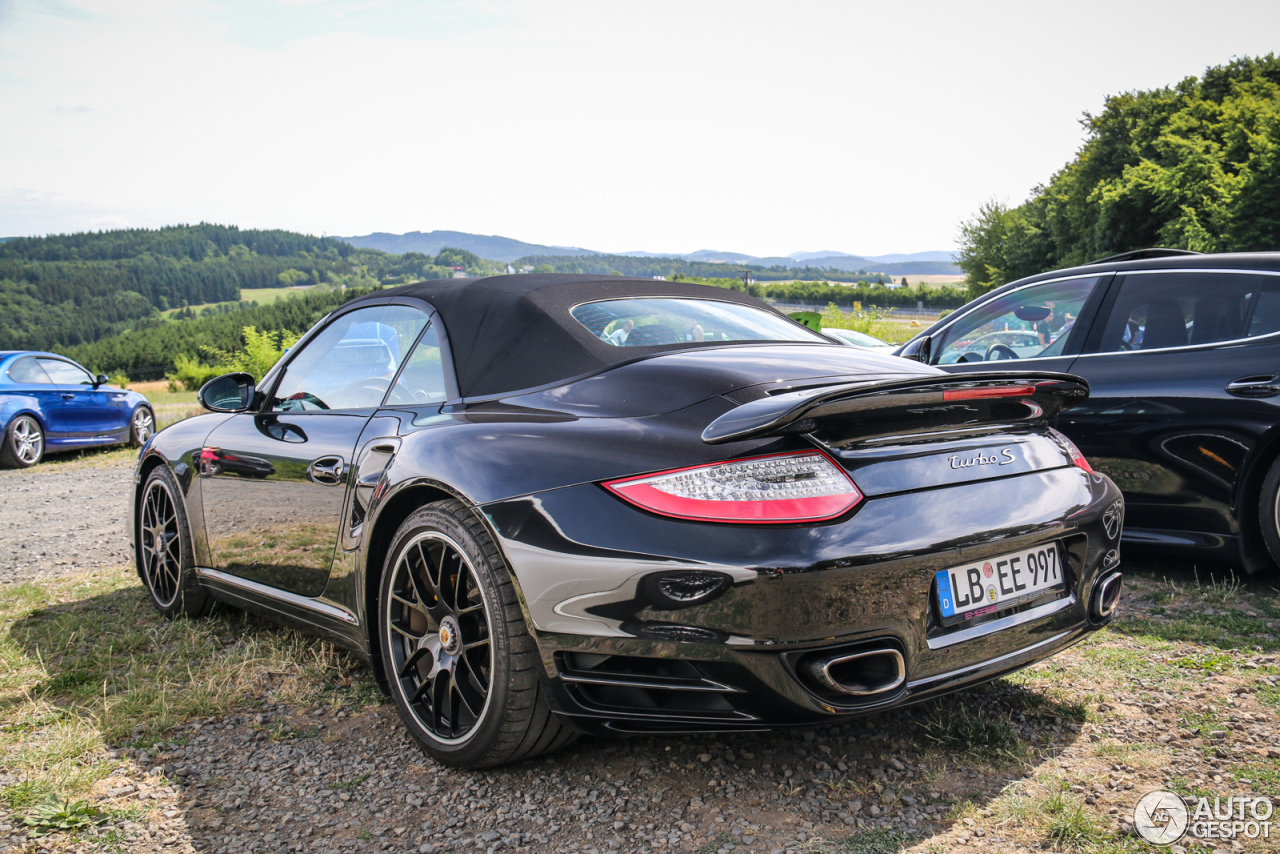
{"x": 1182, "y": 355}
{"x": 717, "y": 520}
{"x": 49, "y": 403}
{"x": 854, "y": 338}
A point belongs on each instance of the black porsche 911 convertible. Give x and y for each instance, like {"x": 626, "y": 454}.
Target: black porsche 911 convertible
{"x": 543, "y": 505}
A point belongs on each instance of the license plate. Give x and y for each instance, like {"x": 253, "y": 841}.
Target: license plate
{"x": 972, "y": 590}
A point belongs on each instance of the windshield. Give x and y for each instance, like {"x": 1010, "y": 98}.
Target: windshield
{"x": 645, "y": 322}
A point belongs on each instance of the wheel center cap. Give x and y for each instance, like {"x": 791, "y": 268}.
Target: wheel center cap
{"x": 450, "y": 636}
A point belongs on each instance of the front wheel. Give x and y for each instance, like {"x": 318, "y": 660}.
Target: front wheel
{"x": 23, "y": 443}
{"x": 462, "y": 667}
{"x": 162, "y": 542}
{"x": 141, "y": 426}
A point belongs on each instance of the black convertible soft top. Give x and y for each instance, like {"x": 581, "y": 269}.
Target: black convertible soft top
{"x": 515, "y": 332}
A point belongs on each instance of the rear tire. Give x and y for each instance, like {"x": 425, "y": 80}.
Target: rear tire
{"x": 1269, "y": 512}
{"x": 460, "y": 662}
{"x": 142, "y": 426}
{"x": 23, "y": 444}
{"x": 162, "y": 544}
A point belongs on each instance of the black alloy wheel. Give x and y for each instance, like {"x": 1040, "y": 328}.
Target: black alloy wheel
{"x": 23, "y": 443}
{"x": 459, "y": 660}
{"x": 163, "y": 548}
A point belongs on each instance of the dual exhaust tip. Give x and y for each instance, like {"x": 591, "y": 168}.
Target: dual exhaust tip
{"x": 868, "y": 672}
{"x": 860, "y": 673}
{"x": 1105, "y": 596}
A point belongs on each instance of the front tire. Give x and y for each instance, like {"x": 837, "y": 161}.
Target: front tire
{"x": 23, "y": 443}
{"x": 461, "y": 665}
{"x": 162, "y": 542}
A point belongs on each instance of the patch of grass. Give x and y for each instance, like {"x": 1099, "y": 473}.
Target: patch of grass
{"x": 1180, "y": 785}
{"x": 877, "y": 840}
{"x": 1202, "y": 722}
{"x": 1269, "y": 695}
{"x": 1058, "y": 817}
{"x": 1208, "y": 663}
{"x": 1125, "y": 751}
{"x": 1231, "y": 631}
{"x": 86, "y": 661}
{"x": 1068, "y": 823}
{"x": 285, "y": 732}
{"x": 348, "y": 785}
{"x": 21, "y": 796}
{"x": 1265, "y": 779}
{"x": 981, "y": 733}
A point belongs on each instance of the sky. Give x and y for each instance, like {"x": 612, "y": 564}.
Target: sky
{"x": 615, "y": 125}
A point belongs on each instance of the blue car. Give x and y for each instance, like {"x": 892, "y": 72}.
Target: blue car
{"x": 50, "y": 403}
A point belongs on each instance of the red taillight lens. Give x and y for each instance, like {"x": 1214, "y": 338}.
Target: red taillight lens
{"x": 1076, "y": 457}
{"x": 801, "y": 487}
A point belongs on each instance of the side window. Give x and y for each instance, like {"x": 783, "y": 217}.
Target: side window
{"x": 349, "y": 365}
{"x": 1029, "y": 323}
{"x": 1158, "y": 310}
{"x": 65, "y": 373}
{"x": 422, "y": 379}
{"x": 1265, "y": 318}
{"x": 28, "y": 370}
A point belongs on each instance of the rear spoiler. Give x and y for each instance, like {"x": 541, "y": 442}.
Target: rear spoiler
{"x": 1040, "y": 395}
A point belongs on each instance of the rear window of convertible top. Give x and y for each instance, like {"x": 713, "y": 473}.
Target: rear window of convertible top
{"x": 649, "y": 321}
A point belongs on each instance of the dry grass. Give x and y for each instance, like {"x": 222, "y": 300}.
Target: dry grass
{"x": 87, "y": 664}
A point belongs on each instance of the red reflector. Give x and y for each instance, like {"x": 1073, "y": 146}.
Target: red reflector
{"x": 988, "y": 391}
{"x": 801, "y": 487}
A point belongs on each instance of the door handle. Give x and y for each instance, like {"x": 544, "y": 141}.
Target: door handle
{"x": 1261, "y": 385}
{"x": 326, "y": 471}
{"x": 66, "y": 395}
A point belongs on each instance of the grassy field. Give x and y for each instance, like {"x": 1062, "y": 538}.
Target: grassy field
{"x": 262, "y": 296}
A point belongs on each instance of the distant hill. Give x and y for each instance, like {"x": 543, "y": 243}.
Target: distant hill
{"x": 507, "y": 250}
{"x": 916, "y": 263}
{"x": 496, "y": 248}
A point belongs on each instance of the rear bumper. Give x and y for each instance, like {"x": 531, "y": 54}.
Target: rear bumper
{"x": 620, "y": 657}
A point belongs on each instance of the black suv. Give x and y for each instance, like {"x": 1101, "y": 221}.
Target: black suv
{"x": 1182, "y": 354}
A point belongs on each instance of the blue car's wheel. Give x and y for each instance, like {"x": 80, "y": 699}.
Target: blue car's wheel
{"x": 23, "y": 443}
{"x": 163, "y": 547}
{"x": 460, "y": 663}
{"x": 141, "y": 426}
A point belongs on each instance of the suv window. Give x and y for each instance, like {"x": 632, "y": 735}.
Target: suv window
{"x": 28, "y": 370}
{"x": 1154, "y": 311}
{"x": 1028, "y": 323}
{"x": 65, "y": 373}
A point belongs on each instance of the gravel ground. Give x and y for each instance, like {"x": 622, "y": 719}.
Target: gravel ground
{"x": 65, "y": 516}
{"x": 320, "y": 778}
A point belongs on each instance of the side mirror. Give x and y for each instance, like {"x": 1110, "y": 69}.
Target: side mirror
{"x": 227, "y": 393}
{"x": 100, "y": 380}
{"x": 918, "y": 349}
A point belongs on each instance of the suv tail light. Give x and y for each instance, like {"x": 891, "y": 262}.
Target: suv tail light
{"x": 797, "y": 487}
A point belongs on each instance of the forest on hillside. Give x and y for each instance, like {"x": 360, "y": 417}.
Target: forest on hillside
{"x": 1192, "y": 166}
{"x": 71, "y": 290}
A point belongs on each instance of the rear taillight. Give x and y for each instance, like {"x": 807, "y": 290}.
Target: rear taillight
{"x": 799, "y": 487}
{"x": 1076, "y": 457}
